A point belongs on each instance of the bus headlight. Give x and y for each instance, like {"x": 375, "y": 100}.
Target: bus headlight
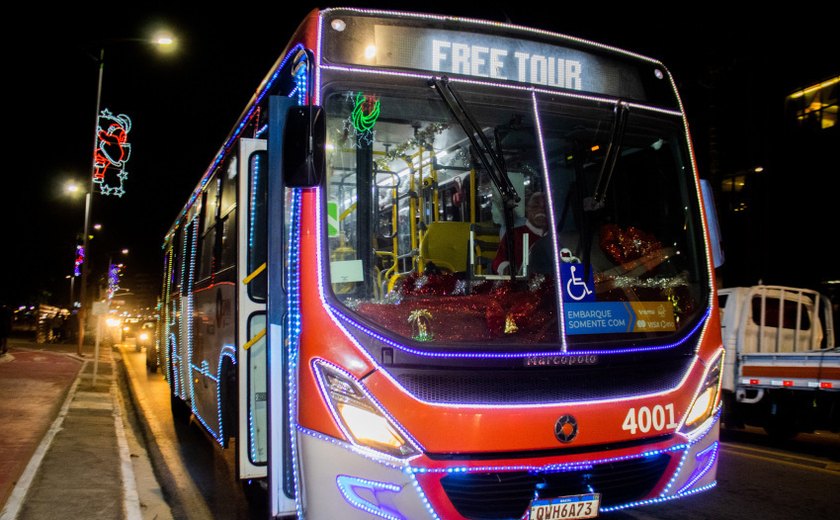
{"x": 361, "y": 419}
{"x": 707, "y": 400}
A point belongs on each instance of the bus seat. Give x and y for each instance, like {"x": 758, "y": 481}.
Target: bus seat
{"x": 486, "y": 243}
{"x": 445, "y": 245}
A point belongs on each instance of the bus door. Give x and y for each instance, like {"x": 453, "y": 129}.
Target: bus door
{"x": 281, "y": 465}
{"x": 252, "y": 439}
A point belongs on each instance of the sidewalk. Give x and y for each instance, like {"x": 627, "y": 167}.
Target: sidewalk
{"x": 64, "y": 414}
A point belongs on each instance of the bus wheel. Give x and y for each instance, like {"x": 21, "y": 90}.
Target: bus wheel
{"x": 229, "y": 396}
{"x": 180, "y": 410}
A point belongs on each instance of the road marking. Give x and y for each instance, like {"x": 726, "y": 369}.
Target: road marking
{"x": 823, "y": 466}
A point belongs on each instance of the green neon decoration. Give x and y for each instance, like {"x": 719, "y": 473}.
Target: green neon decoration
{"x": 363, "y": 122}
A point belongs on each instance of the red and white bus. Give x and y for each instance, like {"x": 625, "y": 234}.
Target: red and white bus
{"x": 338, "y": 298}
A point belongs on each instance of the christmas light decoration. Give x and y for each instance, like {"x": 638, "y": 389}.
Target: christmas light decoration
{"x": 114, "y": 274}
{"x": 112, "y": 152}
{"x": 365, "y": 113}
{"x": 80, "y": 259}
{"x": 355, "y": 490}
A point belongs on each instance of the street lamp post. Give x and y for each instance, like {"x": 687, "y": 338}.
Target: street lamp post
{"x": 72, "y": 291}
{"x": 109, "y": 272}
{"x": 88, "y": 195}
{"x": 160, "y": 40}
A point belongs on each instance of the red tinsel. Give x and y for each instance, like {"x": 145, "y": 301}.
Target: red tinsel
{"x": 431, "y": 284}
{"x": 624, "y": 245}
{"x": 526, "y": 312}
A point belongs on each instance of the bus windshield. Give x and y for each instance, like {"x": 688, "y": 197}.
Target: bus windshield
{"x": 600, "y": 247}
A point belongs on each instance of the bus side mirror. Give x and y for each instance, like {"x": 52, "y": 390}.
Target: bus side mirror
{"x": 712, "y": 221}
{"x": 304, "y": 138}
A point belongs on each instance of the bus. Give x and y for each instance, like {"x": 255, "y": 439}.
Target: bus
{"x": 339, "y": 305}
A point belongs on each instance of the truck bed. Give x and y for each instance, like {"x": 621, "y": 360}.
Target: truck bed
{"x": 816, "y": 369}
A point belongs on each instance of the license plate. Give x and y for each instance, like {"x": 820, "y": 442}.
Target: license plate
{"x": 566, "y": 508}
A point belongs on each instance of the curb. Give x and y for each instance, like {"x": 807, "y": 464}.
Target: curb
{"x": 180, "y": 492}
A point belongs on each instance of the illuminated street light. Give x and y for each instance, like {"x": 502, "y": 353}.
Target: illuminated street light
{"x": 72, "y": 188}
{"x": 161, "y": 41}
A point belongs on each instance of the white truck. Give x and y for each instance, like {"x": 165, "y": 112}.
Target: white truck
{"x": 782, "y": 367}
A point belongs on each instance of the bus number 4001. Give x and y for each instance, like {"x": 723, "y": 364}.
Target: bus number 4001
{"x": 646, "y": 419}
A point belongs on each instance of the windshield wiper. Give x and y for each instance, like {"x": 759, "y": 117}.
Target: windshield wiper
{"x": 613, "y": 151}
{"x": 492, "y": 161}
{"x": 596, "y": 201}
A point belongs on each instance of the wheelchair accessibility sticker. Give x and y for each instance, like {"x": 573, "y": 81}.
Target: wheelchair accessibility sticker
{"x": 577, "y": 287}
{"x": 613, "y": 317}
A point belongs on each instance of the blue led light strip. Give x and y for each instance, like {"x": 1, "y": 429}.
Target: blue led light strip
{"x": 486, "y": 23}
{"x": 265, "y": 86}
{"x": 504, "y": 355}
{"x": 322, "y": 386}
{"x": 549, "y": 468}
{"x": 252, "y": 435}
{"x": 300, "y": 80}
{"x": 423, "y": 498}
{"x": 692, "y": 441}
{"x": 167, "y": 315}
{"x": 253, "y": 202}
{"x": 293, "y": 335}
{"x": 348, "y": 485}
{"x": 710, "y": 454}
{"x": 228, "y": 351}
{"x": 188, "y": 311}
{"x": 552, "y": 218}
{"x": 562, "y": 467}
{"x": 657, "y": 500}
{"x": 367, "y": 453}
{"x": 337, "y": 317}
{"x": 505, "y": 86}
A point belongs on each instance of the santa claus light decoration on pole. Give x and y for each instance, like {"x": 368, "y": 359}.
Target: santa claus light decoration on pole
{"x": 112, "y": 153}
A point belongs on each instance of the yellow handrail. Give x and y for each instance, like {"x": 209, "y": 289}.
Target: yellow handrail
{"x": 253, "y": 275}
{"x": 258, "y": 336}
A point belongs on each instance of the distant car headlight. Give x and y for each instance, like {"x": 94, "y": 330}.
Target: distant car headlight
{"x": 359, "y": 416}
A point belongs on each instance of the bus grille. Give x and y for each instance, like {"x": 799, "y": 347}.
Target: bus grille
{"x": 532, "y": 386}
{"x": 480, "y": 496}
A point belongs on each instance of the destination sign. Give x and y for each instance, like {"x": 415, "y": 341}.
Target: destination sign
{"x": 430, "y": 47}
{"x": 494, "y": 57}
{"x": 553, "y": 69}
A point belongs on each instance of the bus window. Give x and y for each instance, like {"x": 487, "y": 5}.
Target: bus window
{"x": 207, "y": 239}
{"x": 187, "y": 258}
{"x": 257, "y": 223}
{"x": 406, "y": 187}
{"x": 227, "y": 216}
{"x": 640, "y": 240}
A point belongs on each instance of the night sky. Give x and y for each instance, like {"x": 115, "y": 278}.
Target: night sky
{"x": 733, "y": 71}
